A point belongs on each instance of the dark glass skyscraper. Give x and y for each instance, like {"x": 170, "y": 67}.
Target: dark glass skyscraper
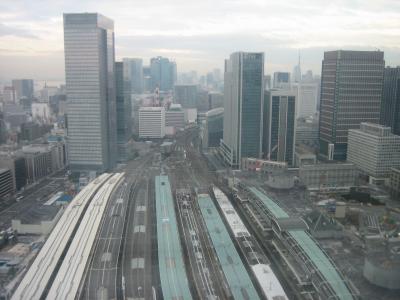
{"x": 163, "y": 73}
{"x": 351, "y": 90}
{"x": 279, "y": 125}
{"x": 390, "y": 109}
{"x": 243, "y": 107}
{"x": 123, "y": 112}
{"x": 90, "y": 83}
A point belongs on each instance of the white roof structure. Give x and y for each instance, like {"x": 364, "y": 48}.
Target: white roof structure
{"x": 236, "y": 224}
{"x": 268, "y": 281}
{"x": 36, "y": 279}
{"x": 70, "y": 274}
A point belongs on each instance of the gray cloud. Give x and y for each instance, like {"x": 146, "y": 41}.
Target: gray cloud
{"x": 200, "y": 34}
{"x": 12, "y": 31}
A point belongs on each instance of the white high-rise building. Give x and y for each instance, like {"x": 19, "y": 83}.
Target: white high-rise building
{"x": 374, "y": 150}
{"x": 90, "y": 84}
{"x": 307, "y": 95}
{"x": 152, "y": 122}
{"x": 133, "y": 75}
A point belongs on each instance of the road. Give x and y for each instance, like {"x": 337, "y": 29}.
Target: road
{"x": 116, "y": 244}
{"x": 137, "y": 259}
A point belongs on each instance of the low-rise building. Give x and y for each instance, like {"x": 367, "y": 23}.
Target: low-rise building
{"x": 152, "y": 122}
{"x": 6, "y": 183}
{"x": 374, "y": 149}
{"x": 43, "y": 159}
{"x": 16, "y": 163}
{"x": 304, "y": 156}
{"x": 275, "y": 174}
{"x": 37, "y": 220}
{"x": 395, "y": 183}
{"x": 329, "y": 176}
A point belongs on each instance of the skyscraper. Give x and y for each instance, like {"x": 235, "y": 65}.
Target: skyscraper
{"x": 186, "y": 95}
{"x": 163, "y": 73}
{"x": 307, "y": 98}
{"x": 23, "y": 88}
{"x": 280, "y": 119}
{"x": 124, "y": 111}
{"x": 351, "y": 90}
{"x": 90, "y": 83}
{"x": 390, "y": 109}
{"x": 243, "y": 107}
{"x": 133, "y": 75}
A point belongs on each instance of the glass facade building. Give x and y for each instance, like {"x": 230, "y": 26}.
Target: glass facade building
{"x": 123, "y": 112}
{"x": 163, "y": 73}
{"x": 351, "y": 91}
{"x": 133, "y": 75}
{"x": 280, "y": 124}
{"x": 23, "y": 88}
{"x": 243, "y": 107}
{"x": 390, "y": 109}
{"x": 90, "y": 84}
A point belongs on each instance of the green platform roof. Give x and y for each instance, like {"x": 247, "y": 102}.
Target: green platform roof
{"x": 174, "y": 282}
{"x": 308, "y": 245}
{"x": 236, "y": 274}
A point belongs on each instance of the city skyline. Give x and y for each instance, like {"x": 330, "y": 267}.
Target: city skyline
{"x": 31, "y": 34}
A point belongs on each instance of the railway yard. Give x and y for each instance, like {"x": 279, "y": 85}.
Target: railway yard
{"x": 167, "y": 227}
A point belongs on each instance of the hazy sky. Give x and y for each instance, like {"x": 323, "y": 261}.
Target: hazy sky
{"x": 200, "y": 34}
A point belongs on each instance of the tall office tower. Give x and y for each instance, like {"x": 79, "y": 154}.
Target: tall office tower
{"x": 280, "y": 119}
{"x": 186, "y": 95}
{"x": 243, "y": 107}
{"x": 307, "y": 98}
{"x": 281, "y": 80}
{"x": 124, "y": 111}
{"x": 163, "y": 73}
{"x": 351, "y": 90}
{"x": 390, "y": 109}
{"x": 90, "y": 83}
{"x": 133, "y": 75}
{"x": 23, "y": 88}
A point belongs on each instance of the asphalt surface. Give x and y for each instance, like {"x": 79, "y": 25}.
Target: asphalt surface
{"x": 31, "y": 197}
{"x": 110, "y": 274}
{"x": 137, "y": 259}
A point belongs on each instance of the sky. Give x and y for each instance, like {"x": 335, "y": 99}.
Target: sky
{"x": 200, "y": 34}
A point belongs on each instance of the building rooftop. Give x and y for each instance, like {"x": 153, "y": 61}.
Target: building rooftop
{"x": 174, "y": 282}
{"x": 374, "y": 129}
{"x": 215, "y": 111}
{"x": 38, "y": 214}
{"x": 308, "y": 245}
{"x": 175, "y": 106}
{"x": 151, "y": 108}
